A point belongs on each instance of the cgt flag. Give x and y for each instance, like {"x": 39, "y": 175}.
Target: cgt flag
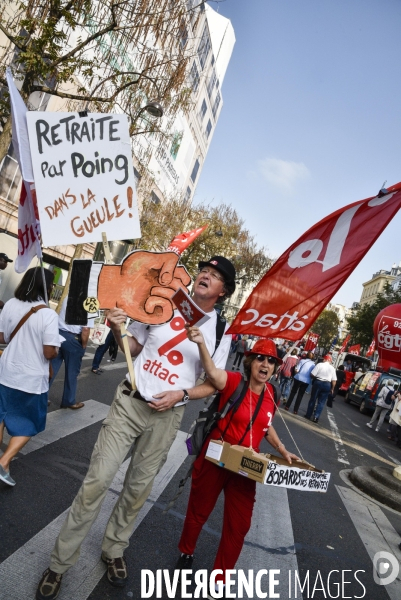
{"x": 183, "y": 240}
{"x": 355, "y": 349}
{"x": 28, "y": 218}
{"x": 311, "y": 342}
{"x": 293, "y": 293}
{"x": 344, "y": 345}
{"x": 371, "y": 348}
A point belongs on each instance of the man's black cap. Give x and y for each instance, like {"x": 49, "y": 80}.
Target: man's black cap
{"x": 223, "y": 265}
{"x": 5, "y": 257}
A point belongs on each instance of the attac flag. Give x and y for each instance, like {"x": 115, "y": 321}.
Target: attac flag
{"x": 290, "y": 297}
{"x": 344, "y": 345}
{"x": 28, "y": 219}
{"x": 355, "y": 349}
{"x": 371, "y": 348}
{"x": 183, "y": 240}
{"x": 311, "y": 342}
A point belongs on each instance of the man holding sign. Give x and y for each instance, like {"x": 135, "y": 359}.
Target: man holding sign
{"x": 147, "y": 414}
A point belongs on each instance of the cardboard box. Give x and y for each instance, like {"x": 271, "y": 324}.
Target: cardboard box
{"x": 248, "y": 463}
{"x": 238, "y": 459}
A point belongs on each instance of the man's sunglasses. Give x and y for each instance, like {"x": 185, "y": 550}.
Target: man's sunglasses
{"x": 261, "y": 357}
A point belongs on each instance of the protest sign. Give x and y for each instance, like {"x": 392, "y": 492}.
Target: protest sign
{"x": 84, "y": 177}
{"x": 296, "y": 479}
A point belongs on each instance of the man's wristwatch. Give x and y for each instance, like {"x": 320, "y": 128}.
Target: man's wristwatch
{"x": 185, "y": 397}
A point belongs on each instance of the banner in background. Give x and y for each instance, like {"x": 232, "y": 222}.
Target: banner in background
{"x": 293, "y": 293}
{"x": 183, "y": 240}
{"x": 28, "y": 218}
{"x": 371, "y": 348}
{"x": 355, "y": 349}
{"x": 311, "y": 342}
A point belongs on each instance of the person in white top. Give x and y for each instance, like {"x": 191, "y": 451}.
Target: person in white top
{"x": 382, "y": 407}
{"x": 24, "y": 365}
{"x": 148, "y": 416}
{"x": 324, "y": 380}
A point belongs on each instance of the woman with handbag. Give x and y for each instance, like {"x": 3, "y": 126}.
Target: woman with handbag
{"x": 30, "y": 329}
{"x": 248, "y": 421}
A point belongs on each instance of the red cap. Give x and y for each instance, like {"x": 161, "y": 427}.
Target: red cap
{"x": 266, "y": 347}
{"x": 328, "y": 357}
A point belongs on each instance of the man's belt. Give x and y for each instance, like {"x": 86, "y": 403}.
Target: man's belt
{"x": 129, "y": 392}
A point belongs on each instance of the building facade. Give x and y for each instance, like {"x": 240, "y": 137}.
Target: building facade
{"x": 164, "y": 169}
{"x": 377, "y": 283}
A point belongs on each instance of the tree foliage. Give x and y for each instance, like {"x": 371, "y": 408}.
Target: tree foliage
{"x": 327, "y": 327}
{"x": 105, "y": 55}
{"x": 224, "y": 236}
{"x": 360, "y": 324}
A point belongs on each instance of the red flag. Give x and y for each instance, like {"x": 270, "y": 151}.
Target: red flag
{"x": 345, "y": 342}
{"x": 355, "y": 349}
{"x": 371, "y": 348}
{"x": 290, "y": 297}
{"x": 311, "y": 342}
{"x": 182, "y": 241}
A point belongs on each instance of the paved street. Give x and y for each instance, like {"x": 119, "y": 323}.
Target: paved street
{"x": 313, "y": 533}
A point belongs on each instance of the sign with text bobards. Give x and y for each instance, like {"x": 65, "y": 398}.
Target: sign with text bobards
{"x": 84, "y": 177}
{"x": 293, "y": 293}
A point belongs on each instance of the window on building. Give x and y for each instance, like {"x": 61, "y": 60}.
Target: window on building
{"x": 10, "y": 177}
{"x": 154, "y": 198}
{"x": 212, "y": 83}
{"x": 204, "y": 46}
{"x": 183, "y": 34}
{"x": 195, "y": 170}
{"x": 187, "y": 195}
{"x": 202, "y": 110}
{"x": 194, "y": 77}
{"x": 208, "y": 128}
{"x": 216, "y": 104}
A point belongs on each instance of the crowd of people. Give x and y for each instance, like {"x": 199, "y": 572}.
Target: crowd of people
{"x": 146, "y": 414}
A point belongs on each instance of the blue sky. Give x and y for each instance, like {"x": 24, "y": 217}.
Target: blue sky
{"x": 311, "y": 119}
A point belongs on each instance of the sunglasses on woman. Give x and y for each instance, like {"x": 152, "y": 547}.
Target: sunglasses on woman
{"x": 261, "y": 357}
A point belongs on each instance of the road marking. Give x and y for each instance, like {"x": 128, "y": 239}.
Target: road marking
{"x": 374, "y": 529}
{"x": 341, "y": 453}
{"x": 63, "y": 422}
{"x": 20, "y": 572}
{"x": 271, "y": 525}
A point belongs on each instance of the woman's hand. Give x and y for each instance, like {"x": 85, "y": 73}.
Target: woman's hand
{"x": 195, "y": 334}
{"x": 288, "y": 456}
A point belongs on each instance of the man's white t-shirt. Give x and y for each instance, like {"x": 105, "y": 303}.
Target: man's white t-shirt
{"x": 325, "y": 372}
{"x": 169, "y": 361}
{"x": 22, "y": 364}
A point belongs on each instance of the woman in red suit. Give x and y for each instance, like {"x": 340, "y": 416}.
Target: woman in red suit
{"x": 208, "y": 479}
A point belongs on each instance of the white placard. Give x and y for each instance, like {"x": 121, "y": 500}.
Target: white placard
{"x": 296, "y": 479}
{"x": 84, "y": 177}
{"x": 214, "y": 450}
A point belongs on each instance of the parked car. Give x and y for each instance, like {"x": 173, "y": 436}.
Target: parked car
{"x": 366, "y": 387}
{"x": 358, "y": 362}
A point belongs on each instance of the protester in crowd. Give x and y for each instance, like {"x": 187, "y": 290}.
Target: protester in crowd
{"x": 234, "y": 339}
{"x": 348, "y": 365}
{"x": 4, "y": 260}
{"x": 100, "y": 352}
{"x": 383, "y": 404}
{"x": 301, "y": 381}
{"x": 208, "y": 479}
{"x": 286, "y": 372}
{"x": 24, "y": 365}
{"x": 340, "y": 373}
{"x": 395, "y": 420}
{"x": 71, "y": 351}
{"x": 324, "y": 380}
{"x": 147, "y": 418}
{"x": 241, "y": 349}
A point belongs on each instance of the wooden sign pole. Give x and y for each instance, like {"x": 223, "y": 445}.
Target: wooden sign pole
{"x": 108, "y": 260}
